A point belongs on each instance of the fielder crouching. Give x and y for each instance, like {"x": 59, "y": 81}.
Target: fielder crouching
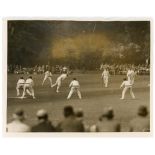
{"x": 28, "y": 88}
{"x": 20, "y": 85}
{"x": 75, "y": 87}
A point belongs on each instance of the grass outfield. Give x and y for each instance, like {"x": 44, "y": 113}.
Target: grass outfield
{"x": 95, "y": 98}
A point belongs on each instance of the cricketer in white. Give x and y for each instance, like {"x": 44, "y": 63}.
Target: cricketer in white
{"x": 127, "y": 85}
{"x": 48, "y": 75}
{"x": 59, "y": 81}
{"x": 28, "y": 88}
{"x": 105, "y": 77}
{"x": 75, "y": 87}
{"x": 20, "y": 84}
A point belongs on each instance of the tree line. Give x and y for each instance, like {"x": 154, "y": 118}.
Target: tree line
{"x": 78, "y": 44}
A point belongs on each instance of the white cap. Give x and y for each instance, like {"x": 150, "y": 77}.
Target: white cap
{"x": 41, "y": 113}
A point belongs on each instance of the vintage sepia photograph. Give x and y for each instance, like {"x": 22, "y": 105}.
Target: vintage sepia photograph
{"x": 78, "y": 76}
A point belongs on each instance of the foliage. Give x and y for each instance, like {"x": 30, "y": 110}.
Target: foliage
{"x": 82, "y": 45}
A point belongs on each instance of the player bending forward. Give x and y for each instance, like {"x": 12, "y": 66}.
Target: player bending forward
{"x": 127, "y": 85}
{"x": 105, "y": 77}
{"x": 48, "y": 75}
{"x": 75, "y": 87}
{"x": 28, "y": 88}
{"x": 20, "y": 85}
{"x": 59, "y": 81}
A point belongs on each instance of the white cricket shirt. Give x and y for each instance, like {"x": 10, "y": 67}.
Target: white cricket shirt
{"x": 62, "y": 76}
{"x": 74, "y": 83}
{"x": 105, "y": 73}
{"x": 48, "y": 73}
{"x": 21, "y": 81}
{"x": 126, "y": 84}
{"x": 29, "y": 82}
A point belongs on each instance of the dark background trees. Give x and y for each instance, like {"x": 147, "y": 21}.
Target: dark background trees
{"x": 79, "y": 44}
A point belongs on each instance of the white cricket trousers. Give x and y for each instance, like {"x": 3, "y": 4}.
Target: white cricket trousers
{"x": 18, "y": 88}
{"x": 29, "y": 90}
{"x": 74, "y": 89}
{"x": 125, "y": 90}
{"x": 131, "y": 80}
{"x": 58, "y": 84}
{"x": 105, "y": 81}
{"x": 45, "y": 78}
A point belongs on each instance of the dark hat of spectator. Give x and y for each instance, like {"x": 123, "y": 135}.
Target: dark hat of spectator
{"x": 19, "y": 114}
{"x": 30, "y": 77}
{"x": 68, "y": 111}
{"x": 108, "y": 113}
{"x": 79, "y": 113}
{"x": 142, "y": 111}
{"x": 74, "y": 78}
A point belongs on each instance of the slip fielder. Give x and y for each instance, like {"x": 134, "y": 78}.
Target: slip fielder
{"x": 28, "y": 88}
{"x": 75, "y": 87}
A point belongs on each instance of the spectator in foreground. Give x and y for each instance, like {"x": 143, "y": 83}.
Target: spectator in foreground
{"x": 141, "y": 123}
{"x": 18, "y": 125}
{"x": 106, "y": 122}
{"x": 43, "y": 125}
{"x": 70, "y": 122}
{"x": 80, "y": 116}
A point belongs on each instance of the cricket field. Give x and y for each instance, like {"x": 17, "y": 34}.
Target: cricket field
{"x": 94, "y": 98}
